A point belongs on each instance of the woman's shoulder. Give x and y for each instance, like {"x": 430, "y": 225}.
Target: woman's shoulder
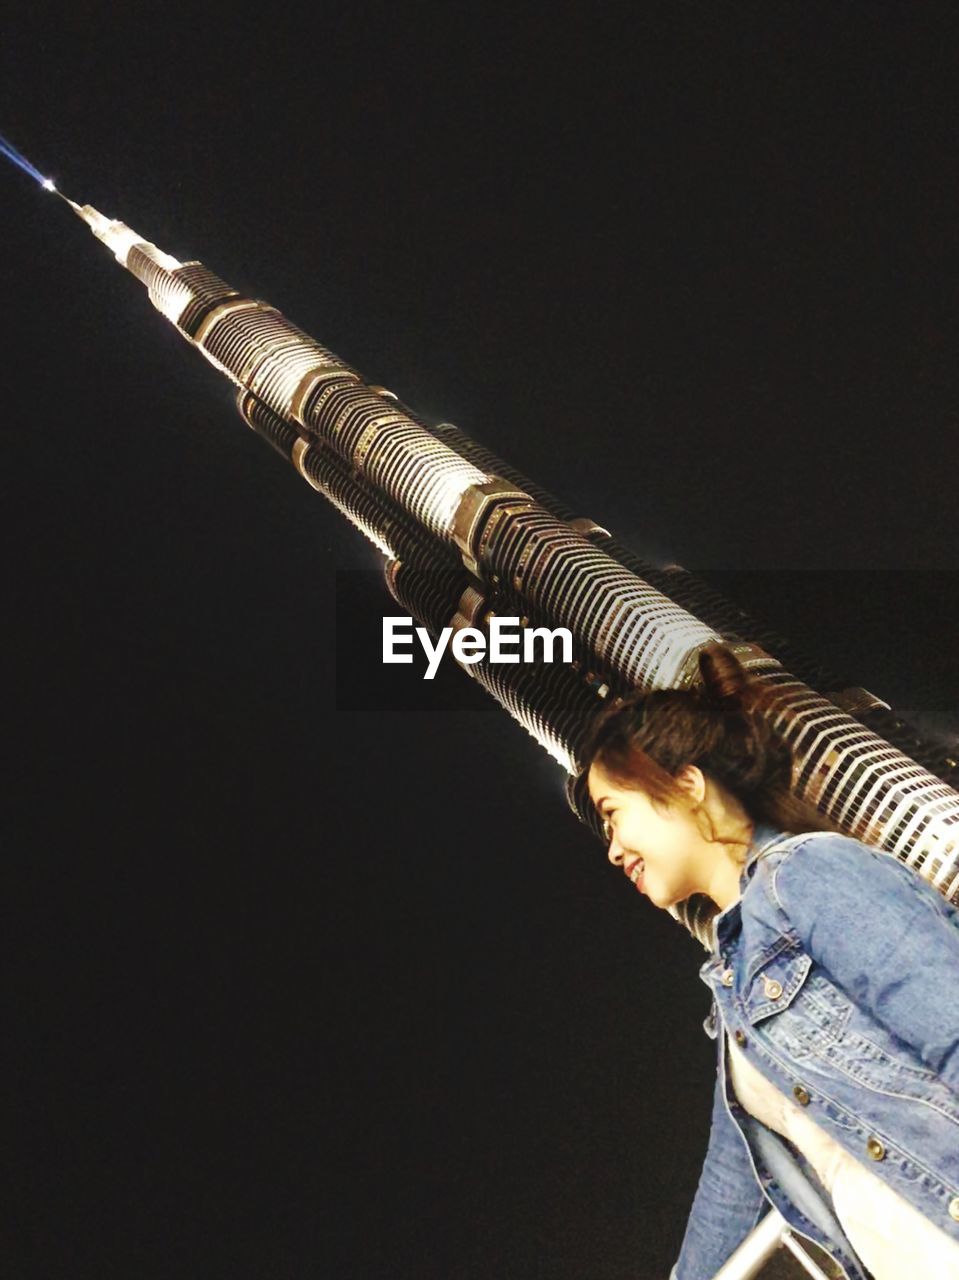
{"x": 807, "y": 851}
{"x": 804, "y": 848}
{"x": 828, "y": 868}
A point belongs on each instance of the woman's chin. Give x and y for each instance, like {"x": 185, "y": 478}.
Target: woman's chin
{"x": 658, "y": 898}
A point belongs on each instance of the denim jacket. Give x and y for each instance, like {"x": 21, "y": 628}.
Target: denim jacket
{"x": 837, "y": 973}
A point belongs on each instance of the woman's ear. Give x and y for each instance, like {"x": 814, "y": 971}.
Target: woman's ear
{"x": 693, "y": 782}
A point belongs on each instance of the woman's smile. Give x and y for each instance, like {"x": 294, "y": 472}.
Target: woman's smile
{"x": 634, "y": 871}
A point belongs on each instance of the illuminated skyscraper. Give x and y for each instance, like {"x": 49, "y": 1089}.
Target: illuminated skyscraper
{"x": 466, "y": 536}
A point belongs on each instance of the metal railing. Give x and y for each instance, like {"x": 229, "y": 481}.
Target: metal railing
{"x": 762, "y": 1242}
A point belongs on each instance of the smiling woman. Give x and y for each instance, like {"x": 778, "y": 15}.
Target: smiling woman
{"x": 680, "y": 777}
{"x": 837, "y": 1086}
{"x": 664, "y": 851}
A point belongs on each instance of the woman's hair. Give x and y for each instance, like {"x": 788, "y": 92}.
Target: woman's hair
{"x": 723, "y": 727}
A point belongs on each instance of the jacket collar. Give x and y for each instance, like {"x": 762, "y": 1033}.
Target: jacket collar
{"x": 764, "y": 835}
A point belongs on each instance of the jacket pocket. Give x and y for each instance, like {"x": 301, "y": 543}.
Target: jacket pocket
{"x": 801, "y": 1010}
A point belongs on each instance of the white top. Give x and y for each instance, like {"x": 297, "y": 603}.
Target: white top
{"x": 890, "y": 1236}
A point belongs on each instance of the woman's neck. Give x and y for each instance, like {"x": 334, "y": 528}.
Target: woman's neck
{"x": 723, "y": 886}
{"x": 727, "y": 833}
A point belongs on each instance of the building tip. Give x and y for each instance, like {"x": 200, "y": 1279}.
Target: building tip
{"x": 77, "y": 209}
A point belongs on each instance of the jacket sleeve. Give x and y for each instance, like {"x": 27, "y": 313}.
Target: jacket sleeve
{"x": 728, "y": 1201}
{"x": 886, "y": 937}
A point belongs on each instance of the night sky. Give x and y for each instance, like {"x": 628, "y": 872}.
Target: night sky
{"x": 301, "y": 985}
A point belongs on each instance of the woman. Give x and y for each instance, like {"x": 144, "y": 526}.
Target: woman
{"x": 835, "y": 981}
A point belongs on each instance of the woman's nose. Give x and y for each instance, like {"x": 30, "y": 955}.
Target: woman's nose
{"x": 615, "y": 851}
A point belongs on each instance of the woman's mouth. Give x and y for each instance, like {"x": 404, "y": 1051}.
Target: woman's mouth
{"x": 635, "y": 873}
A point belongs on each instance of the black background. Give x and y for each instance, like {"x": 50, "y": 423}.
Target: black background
{"x": 296, "y": 990}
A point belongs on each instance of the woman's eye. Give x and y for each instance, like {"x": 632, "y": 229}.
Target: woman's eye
{"x": 607, "y": 830}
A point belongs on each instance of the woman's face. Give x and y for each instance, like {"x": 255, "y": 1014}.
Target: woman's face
{"x": 659, "y": 847}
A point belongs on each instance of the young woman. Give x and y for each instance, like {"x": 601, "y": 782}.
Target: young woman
{"x": 835, "y": 981}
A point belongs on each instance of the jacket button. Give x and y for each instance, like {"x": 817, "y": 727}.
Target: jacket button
{"x": 739, "y": 1036}
{"x": 875, "y": 1149}
{"x": 801, "y": 1096}
{"x": 727, "y": 978}
{"x": 772, "y": 988}
{"x": 954, "y": 1208}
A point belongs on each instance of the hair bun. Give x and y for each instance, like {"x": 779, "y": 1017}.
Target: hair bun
{"x": 763, "y": 759}
{"x": 725, "y": 680}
